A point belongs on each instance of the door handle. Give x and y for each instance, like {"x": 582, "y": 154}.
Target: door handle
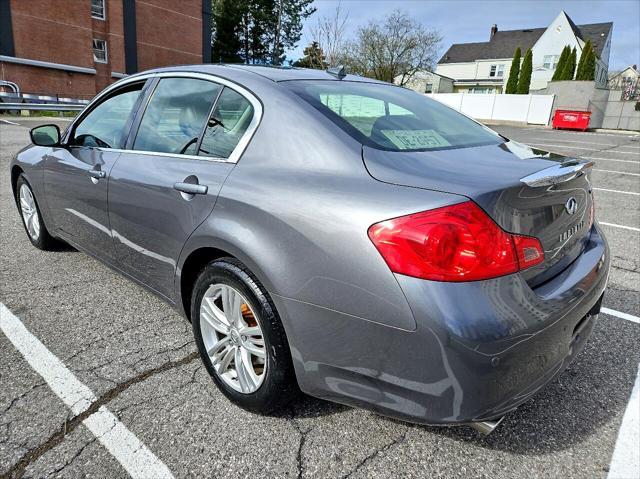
{"x": 191, "y": 188}
{"x": 97, "y": 174}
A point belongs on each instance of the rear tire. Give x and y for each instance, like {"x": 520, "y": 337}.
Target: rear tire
{"x": 241, "y": 339}
{"x": 31, "y": 217}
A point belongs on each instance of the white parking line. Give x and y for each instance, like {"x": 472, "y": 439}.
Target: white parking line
{"x": 621, "y": 315}
{"x": 582, "y": 142}
{"x": 130, "y": 452}
{"x": 618, "y": 191}
{"x": 566, "y": 147}
{"x": 570, "y": 147}
{"x": 619, "y": 172}
{"x": 10, "y": 122}
{"x": 610, "y": 159}
{"x": 613, "y": 225}
{"x": 625, "y": 462}
{"x": 554, "y": 133}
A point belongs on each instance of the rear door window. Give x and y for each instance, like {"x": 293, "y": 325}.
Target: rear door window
{"x": 392, "y": 118}
{"x": 229, "y": 121}
{"x": 176, "y": 115}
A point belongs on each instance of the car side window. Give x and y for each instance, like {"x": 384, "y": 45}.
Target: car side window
{"x": 104, "y": 126}
{"x": 175, "y": 115}
{"x": 230, "y": 119}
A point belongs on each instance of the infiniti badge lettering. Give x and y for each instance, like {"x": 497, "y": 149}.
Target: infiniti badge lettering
{"x": 571, "y": 231}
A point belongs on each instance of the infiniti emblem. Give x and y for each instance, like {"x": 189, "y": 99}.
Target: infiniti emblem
{"x": 571, "y": 206}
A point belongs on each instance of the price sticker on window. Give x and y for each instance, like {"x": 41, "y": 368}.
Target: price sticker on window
{"x": 416, "y": 139}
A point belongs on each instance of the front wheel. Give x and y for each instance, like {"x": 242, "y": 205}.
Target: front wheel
{"x": 241, "y": 339}
{"x": 31, "y": 217}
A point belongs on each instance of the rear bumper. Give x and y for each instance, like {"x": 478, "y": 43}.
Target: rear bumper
{"x": 480, "y": 348}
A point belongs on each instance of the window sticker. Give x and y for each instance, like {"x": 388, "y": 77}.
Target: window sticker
{"x": 416, "y": 139}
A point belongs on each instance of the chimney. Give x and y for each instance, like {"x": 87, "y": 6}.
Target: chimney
{"x": 494, "y": 30}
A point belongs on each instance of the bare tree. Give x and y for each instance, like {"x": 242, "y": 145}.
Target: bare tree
{"x": 329, "y": 34}
{"x": 396, "y": 47}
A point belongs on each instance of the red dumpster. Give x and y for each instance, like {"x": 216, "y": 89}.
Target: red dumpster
{"x": 571, "y": 119}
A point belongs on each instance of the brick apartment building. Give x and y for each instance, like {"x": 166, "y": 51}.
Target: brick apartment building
{"x": 75, "y": 48}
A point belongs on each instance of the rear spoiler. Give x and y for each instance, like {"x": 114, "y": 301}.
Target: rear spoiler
{"x": 558, "y": 173}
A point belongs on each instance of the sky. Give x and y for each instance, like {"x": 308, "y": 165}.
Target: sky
{"x": 463, "y": 21}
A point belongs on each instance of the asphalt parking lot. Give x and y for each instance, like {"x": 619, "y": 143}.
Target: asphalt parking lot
{"x": 137, "y": 357}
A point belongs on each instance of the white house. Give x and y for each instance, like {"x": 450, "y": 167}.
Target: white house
{"x": 620, "y": 79}
{"x": 429, "y": 82}
{"x": 484, "y": 67}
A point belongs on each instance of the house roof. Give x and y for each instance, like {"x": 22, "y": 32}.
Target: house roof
{"x": 504, "y": 43}
{"x": 617, "y": 73}
{"x": 594, "y": 32}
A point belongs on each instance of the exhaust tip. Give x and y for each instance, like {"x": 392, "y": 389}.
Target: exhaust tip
{"x": 486, "y": 427}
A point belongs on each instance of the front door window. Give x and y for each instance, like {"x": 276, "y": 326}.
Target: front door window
{"x": 105, "y": 125}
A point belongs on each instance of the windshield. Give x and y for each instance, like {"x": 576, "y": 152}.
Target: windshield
{"x": 392, "y": 118}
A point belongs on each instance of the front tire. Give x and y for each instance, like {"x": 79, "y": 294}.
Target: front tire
{"x": 241, "y": 339}
{"x": 31, "y": 217}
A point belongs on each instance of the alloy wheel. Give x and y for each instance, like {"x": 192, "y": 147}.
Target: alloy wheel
{"x": 233, "y": 338}
{"x": 29, "y": 212}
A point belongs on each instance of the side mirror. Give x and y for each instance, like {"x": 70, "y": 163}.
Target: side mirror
{"x": 45, "y": 135}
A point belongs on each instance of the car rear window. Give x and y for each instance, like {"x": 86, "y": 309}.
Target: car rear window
{"x": 392, "y": 118}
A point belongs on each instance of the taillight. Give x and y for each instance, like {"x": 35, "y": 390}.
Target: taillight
{"x": 529, "y": 251}
{"x": 453, "y": 243}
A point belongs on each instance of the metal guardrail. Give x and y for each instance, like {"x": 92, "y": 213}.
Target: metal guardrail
{"x": 41, "y": 106}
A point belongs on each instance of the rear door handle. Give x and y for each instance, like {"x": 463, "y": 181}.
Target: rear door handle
{"x": 191, "y": 188}
{"x": 97, "y": 174}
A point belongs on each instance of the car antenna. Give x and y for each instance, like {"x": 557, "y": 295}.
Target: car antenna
{"x": 339, "y": 72}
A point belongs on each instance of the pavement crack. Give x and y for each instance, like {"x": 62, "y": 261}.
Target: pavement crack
{"x": 17, "y": 471}
{"x": 303, "y": 438}
{"x": 68, "y": 462}
{"x": 622, "y": 268}
{"x": 21, "y": 396}
{"x": 376, "y": 453}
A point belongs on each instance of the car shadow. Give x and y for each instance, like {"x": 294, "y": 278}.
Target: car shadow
{"x": 305, "y": 407}
{"x": 60, "y": 246}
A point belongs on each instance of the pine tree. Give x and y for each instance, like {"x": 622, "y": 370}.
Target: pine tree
{"x": 583, "y": 56}
{"x": 524, "y": 81}
{"x": 313, "y": 58}
{"x": 257, "y": 31}
{"x": 287, "y": 26}
{"x": 587, "y": 65}
{"x": 590, "y": 66}
{"x": 573, "y": 63}
{"x": 561, "y": 63}
{"x": 227, "y": 21}
{"x": 512, "y": 82}
{"x": 569, "y": 67}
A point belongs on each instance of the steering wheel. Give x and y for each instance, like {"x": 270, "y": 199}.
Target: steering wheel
{"x": 213, "y": 122}
{"x": 188, "y": 144}
{"x": 91, "y": 141}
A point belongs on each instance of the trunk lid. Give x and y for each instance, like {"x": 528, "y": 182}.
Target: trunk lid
{"x": 505, "y": 181}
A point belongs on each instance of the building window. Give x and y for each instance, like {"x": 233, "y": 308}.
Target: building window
{"x": 428, "y": 88}
{"x": 481, "y": 90}
{"x": 99, "y": 51}
{"x": 97, "y": 9}
{"x": 551, "y": 61}
{"x": 497, "y": 71}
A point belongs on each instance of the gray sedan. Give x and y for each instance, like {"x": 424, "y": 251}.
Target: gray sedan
{"x": 330, "y": 234}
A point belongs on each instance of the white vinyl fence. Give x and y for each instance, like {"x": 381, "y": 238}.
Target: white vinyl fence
{"x": 533, "y": 109}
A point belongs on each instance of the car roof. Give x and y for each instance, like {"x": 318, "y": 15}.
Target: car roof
{"x": 273, "y": 73}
